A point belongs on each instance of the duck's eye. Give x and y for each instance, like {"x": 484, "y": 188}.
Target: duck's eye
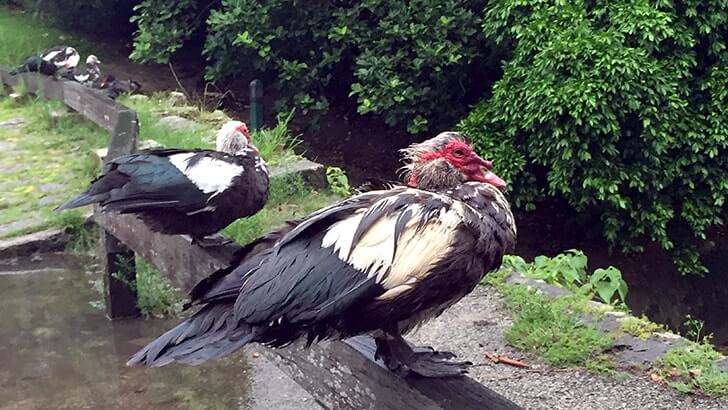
{"x": 458, "y": 152}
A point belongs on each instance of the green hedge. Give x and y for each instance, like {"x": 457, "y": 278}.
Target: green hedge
{"x": 412, "y": 62}
{"x": 89, "y": 16}
{"x": 623, "y": 105}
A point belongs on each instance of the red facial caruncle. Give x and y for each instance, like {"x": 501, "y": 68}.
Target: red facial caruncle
{"x": 243, "y": 129}
{"x": 462, "y": 156}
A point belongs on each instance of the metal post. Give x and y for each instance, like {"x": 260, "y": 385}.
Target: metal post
{"x": 256, "y": 105}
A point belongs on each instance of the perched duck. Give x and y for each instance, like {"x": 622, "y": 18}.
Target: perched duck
{"x": 88, "y": 75}
{"x": 381, "y": 263}
{"x": 113, "y": 87}
{"x": 193, "y": 192}
{"x": 49, "y": 61}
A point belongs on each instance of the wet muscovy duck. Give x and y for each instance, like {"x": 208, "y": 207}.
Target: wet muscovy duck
{"x": 49, "y": 61}
{"x": 89, "y": 75}
{"x": 192, "y": 192}
{"x": 380, "y": 263}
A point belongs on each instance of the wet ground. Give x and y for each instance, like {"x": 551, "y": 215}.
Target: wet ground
{"x": 57, "y": 351}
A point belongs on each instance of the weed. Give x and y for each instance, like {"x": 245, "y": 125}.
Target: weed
{"x": 694, "y": 329}
{"x": 692, "y": 368}
{"x": 156, "y": 296}
{"x": 550, "y": 328}
{"x": 276, "y": 144}
{"x": 338, "y": 181}
{"x": 640, "y": 327}
{"x": 568, "y": 270}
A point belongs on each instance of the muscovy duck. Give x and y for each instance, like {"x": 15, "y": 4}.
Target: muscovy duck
{"x": 113, "y": 87}
{"x": 381, "y": 262}
{"x": 177, "y": 191}
{"x": 88, "y": 75}
{"x": 49, "y": 61}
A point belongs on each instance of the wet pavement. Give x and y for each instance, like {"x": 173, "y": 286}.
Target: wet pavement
{"x": 57, "y": 351}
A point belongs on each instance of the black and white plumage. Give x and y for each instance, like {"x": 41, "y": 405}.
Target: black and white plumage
{"x": 88, "y": 75}
{"x": 177, "y": 191}
{"x": 63, "y": 57}
{"x": 49, "y": 61}
{"x": 381, "y": 262}
{"x": 113, "y": 88}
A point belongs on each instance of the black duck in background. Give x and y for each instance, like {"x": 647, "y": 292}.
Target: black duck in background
{"x": 193, "y": 192}
{"x": 50, "y": 61}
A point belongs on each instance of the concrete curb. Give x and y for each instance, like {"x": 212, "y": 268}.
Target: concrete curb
{"x": 50, "y": 240}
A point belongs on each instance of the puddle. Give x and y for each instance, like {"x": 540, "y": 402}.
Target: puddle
{"x": 57, "y": 351}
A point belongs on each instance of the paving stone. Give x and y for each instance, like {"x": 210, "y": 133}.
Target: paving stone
{"x": 18, "y": 225}
{"x": 178, "y": 123}
{"x": 52, "y": 187}
{"x": 6, "y": 146}
{"x": 632, "y": 350}
{"x": 12, "y": 168}
{"x": 52, "y": 200}
{"x": 12, "y": 124}
{"x": 43, "y": 241}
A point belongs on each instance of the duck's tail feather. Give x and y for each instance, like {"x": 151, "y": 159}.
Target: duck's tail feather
{"x": 204, "y": 336}
{"x": 83, "y": 199}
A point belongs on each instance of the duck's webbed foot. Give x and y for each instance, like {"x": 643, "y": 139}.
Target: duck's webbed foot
{"x": 403, "y": 359}
{"x": 211, "y": 241}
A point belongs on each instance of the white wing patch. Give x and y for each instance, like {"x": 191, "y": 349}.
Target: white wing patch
{"x": 210, "y": 175}
{"x": 51, "y": 55}
{"x": 416, "y": 252}
{"x": 74, "y": 59}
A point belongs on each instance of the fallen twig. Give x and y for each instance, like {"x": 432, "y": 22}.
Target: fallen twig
{"x": 496, "y": 358}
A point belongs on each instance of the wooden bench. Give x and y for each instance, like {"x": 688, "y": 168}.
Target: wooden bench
{"x": 339, "y": 375}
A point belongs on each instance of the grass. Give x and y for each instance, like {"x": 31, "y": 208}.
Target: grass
{"x": 274, "y": 144}
{"x": 49, "y": 161}
{"x": 556, "y": 331}
{"x": 156, "y": 296}
{"x": 692, "y": 368}
{"x": 22, "y": 34}
{"x": 640, "y": 327}
{"x": 550, "y": 328}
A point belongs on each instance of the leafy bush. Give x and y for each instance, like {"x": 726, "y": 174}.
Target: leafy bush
{"x": 620, "y": 107}
{"x": 411, "y": 61}
{"x": 568, "y": 270}
{"x": 91, "y": 16}
{"x": 338, "y": 181}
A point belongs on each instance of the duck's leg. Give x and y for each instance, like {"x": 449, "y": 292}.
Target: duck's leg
{"x": 211, "y": 241}
{"x": 404, "y": 359}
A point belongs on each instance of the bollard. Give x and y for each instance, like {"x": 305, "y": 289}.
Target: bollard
{"x": 256, "y": 105}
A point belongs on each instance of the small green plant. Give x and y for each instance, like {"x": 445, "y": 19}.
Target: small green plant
{"x": 568, "y": 270}
{"x": 552, "y": 329}
{"x": 640, "y": 327}
{"x": 156, "y": 296}
{"x": 694, "y": 329}
{"x": 338, "y": 181}
{"x": 692, "y": 368}
{"x": 276, "y": 144}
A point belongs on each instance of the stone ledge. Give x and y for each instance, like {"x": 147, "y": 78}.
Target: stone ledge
{"x": 50, "y": 240}
{"x": 312, "y": 172}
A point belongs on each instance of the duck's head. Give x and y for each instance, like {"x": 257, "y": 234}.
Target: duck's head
{"x": 446, "y": 161}
{"x": 233, "y": 138}
{"x": 92, "y": 60}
